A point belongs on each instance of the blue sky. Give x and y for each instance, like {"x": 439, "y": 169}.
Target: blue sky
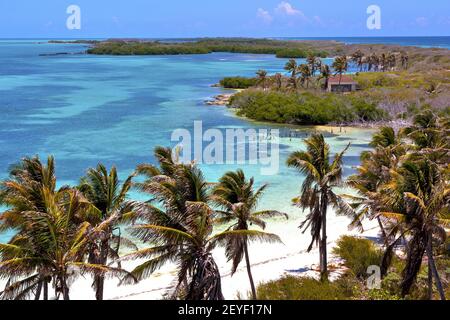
{"x": 193, "y": 18}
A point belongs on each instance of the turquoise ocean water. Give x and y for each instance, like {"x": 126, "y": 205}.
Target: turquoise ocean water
{"x": 84, "y": 109}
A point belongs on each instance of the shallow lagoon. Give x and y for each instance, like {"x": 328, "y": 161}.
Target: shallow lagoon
{"x": 84, "y": 109}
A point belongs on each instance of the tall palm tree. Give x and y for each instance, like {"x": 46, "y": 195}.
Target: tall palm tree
{"x": 383, "y": 60}
{"x": 314, "y": 63}
{"x": 418, "y": 198}
{"x": 179, "y": 227}
{"x": 392, "y": 60}
{"x": 108, "y": 195}
{"x": 325, "y": 73}
{"x": 291, "y": 66}
{"x": 317, "y": 190}
{"x": 375, "y": 171}
{"x": 22, "y": 192}
{"x": 404, "y": 59}
{"x": 373, "y": 62}
{"x": 340, "y": 66}
{"x": 278, "y": 80}
{"x": 305, "y": 74}
{"x": 357, "y": 58}
{"x": 262, "y": 77}
{"x": 238, "y": 199}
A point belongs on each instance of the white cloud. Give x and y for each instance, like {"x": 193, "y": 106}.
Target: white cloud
{"x": 287, "y": 9}
{"x": 264, "y": 15}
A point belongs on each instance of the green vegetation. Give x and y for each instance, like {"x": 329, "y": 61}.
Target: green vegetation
{"x": 390, "y": 86}
{"x": 305, "y": 108}
{"x": 238, "y": 82}
{"x": 282, "y": 49}
{"x": 299, "y": 53}
{"x": 403, "y": 183}
{"x": 296, "y": 288}
{"x": 358, "y": 254}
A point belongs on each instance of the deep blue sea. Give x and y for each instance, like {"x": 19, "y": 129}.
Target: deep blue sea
{"x": 425, "y": 42}
{"x": 85, "y": 109}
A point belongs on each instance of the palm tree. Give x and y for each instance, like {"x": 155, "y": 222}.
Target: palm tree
{"x": 105, "y": 192}
{"x": 404, "y": 60}
{"x": 325, "y": 73}
{"x": 305, "y": 74}
{"x": 278, "y": 80}
{"x": 262, "y": 77}
{"x": 291, "y": 66}
{"x": 417, "y": 198}
{"x": 53, "y": 232}
{"x": 22, "y": 193}
{"x": 373, "y": 61}
{"x": 372, "y": 174}
{"x": 383, "y": 60}
{"x": 357, "y": 58}
{"x": 238, "y": 199}
{"x": 426, "y": 133}
{"x": 314, "y": 63}
{"x": 317, "y": 190}
{"x": 340, "y": 66}
{"x": 179, "y": 227}
{"x": 392, "y": 60}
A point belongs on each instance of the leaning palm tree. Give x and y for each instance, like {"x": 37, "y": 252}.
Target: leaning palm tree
{"x": 109, "y": 196}
{"x": 305, "y": 74}
{"x": 317, "y": 191}
{"x": 262, "y": 78}
{"x": 417, "y": 198}
{"x": 340, "y": 66}
{"x": 236, "y": 196}
{"x": 178, "y": 224}
{"x": 291, "y": 66}
{"x": 373, "y": 172}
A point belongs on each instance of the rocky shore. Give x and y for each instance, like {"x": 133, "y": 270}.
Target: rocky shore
{"x": 219, "y": 100}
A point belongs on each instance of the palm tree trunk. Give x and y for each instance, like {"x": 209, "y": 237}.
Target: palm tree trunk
{"x": 432, "y": 264}
{"x": 38, "y": 290}
{"x": 383, "y": 232}
{"x": 65, "y": 288}
{"x": 324, "y": 262}
{"x": 430, "y": 281}
{"x": 100, "y": 279}
{"x": 249, "y": 271}
{"x": 46, "y": 289}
